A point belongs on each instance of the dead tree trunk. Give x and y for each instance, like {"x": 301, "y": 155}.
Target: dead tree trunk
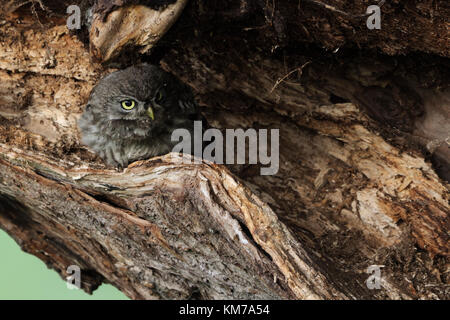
{"x": 364, "y": 151}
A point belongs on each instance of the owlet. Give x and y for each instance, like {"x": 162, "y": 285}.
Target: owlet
{"x": 131, "y": 114}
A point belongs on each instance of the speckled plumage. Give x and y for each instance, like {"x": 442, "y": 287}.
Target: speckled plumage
{"x": 120, "y": 136}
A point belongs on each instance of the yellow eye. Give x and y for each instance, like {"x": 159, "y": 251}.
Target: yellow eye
{"x": 159, "y": 96}
{"x": 128, "y": 104}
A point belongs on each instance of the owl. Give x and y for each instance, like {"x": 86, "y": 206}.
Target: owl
{"x": 132, "y": 113}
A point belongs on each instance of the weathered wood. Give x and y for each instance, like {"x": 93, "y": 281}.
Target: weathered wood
{"x": 354, "y": 188}
{"x": 119, "y": 31}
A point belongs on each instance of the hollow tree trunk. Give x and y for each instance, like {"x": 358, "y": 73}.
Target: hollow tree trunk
{"x": 364, "y": 153}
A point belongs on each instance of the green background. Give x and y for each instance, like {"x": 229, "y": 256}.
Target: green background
{"x": 23, "y": 276}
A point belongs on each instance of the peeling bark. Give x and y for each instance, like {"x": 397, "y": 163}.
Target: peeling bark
{"x": 363, "y": 158}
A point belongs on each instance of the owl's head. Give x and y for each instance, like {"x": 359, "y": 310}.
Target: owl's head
{"x": 139, "y": 101}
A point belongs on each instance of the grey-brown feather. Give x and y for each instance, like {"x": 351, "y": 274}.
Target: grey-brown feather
{"x": 121, "y": 137}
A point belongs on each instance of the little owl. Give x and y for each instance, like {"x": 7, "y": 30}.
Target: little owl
{"x": 131, "y": 114}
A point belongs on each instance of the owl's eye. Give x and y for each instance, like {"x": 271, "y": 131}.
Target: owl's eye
{"x": 159, "y": 96}
{"x": 128, "y": 104}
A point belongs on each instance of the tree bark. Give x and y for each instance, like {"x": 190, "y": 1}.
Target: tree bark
{"x": 364, "y": 153}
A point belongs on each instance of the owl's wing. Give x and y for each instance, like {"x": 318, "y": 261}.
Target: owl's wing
{"x": 186, "y": 99}
{"x": 189, "y": 107}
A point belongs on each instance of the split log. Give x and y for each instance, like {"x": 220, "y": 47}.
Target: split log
{"x": 355, "y": 187}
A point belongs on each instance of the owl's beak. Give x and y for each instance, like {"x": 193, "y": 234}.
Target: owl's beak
{"x": 150, "y": 113}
